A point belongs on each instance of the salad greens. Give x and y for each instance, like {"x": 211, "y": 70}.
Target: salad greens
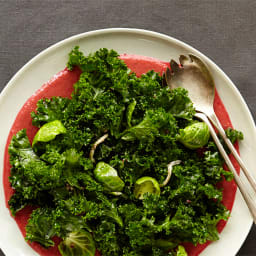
{"x": 78, "y": 243}
{"x": 108, "y": 176}
{"x": 195, "y": 135}
{"x": 146, "y": 185}
{"x": 49, "y": 131}
{"x": 94, "y": 170}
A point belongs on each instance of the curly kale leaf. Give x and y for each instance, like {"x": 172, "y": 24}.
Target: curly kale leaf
{"x": 41, "y": 227}
{"x": 106, "y": 238}
{"x": 186, "y": 222}
{"x": 33, "y": 177}
{"x": 234, "y": 135}
{"x": 155, "y": 122}
{"x": 94, "y": 108}
{"x": 214, "y": 167}
{"x": 49, "y": 110}
{"x": 180, "y": 104}
{"x": 45, "y": 223}
{"x": 155, "y": 205}
{"x": 20, "y": 150}
{"x": 130, "y": 212}
{"x": 18, "y": 202}
{"x": 98, "y": 207}
{"x": 29, "y": 174}
{"x": 111, "y": 73}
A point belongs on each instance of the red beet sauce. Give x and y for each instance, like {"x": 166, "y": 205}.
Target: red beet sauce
{"x": 62, "y": 85}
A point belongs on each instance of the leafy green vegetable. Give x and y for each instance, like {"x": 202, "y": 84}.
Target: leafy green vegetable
{"x": 30, "y": 176}
{"x": 77, "y": 243}
{"x": 95, "y": 205}
{"x": 129, "y": 112}
{"x": 154, "y": 123}
{"x": 180, "y": 105}
{"x": 146, "y": 185}
{"x": 49, "y": 131}
{"x": 40, "y": 227}
{"x": 234, "y": 135}
{"x": 107, "y": 175}
{"x": 49, "y": 110}
{"x": 195, "y": 135}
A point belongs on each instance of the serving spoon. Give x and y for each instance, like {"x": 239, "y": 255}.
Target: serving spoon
{"x": 193, "y": 75}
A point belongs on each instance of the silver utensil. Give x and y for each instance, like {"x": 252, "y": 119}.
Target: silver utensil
{"x": 193, "y": 75}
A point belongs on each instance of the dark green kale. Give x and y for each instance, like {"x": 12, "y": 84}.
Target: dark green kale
{"x": 45, "y": 223}
{"x": 49, "y": 110}
{"x": 234, "y": 135}
{"x": 155, "y": 123}
{"x": 142, "y": 118}
{"x": 30, "y": 175}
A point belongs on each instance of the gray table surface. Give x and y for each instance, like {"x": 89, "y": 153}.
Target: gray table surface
{"x": 223, "y": 30}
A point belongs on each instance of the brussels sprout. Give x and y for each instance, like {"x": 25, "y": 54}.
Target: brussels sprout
{"x": 108, "y": 176}
{"x": 195, "y": 135}
{"x": 77, "y": 243}
{"x": 49, "y": 131}
{"x": 146, "y": 185}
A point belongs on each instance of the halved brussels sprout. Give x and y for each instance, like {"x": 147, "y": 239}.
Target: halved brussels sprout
{"x": 146, "y": 185}
{"x": 107, "y": 175}
{"x": 195, "y": 135}
{"x": 49, "y": 131}
{"x": 78, "y": 243}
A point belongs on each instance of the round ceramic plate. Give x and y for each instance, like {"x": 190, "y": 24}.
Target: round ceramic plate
{"x": 132, "y": 41}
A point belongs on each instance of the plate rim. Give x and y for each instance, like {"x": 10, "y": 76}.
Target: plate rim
{"x": 144, "y": 32}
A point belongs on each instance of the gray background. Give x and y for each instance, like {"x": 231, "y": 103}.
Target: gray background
{"x": 223, "y": 30}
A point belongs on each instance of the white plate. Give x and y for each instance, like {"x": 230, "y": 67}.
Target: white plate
{"x": 133, "y": 41}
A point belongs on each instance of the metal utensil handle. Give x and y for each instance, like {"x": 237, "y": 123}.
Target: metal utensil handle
{"x": 222, "y": 133}
{"x": 242, "y": 187}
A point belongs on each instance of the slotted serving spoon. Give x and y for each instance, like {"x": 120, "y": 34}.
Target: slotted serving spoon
{"x": 193, "y": 75}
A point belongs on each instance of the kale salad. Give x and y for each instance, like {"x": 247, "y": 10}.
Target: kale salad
{"x": 122, "y": 167}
